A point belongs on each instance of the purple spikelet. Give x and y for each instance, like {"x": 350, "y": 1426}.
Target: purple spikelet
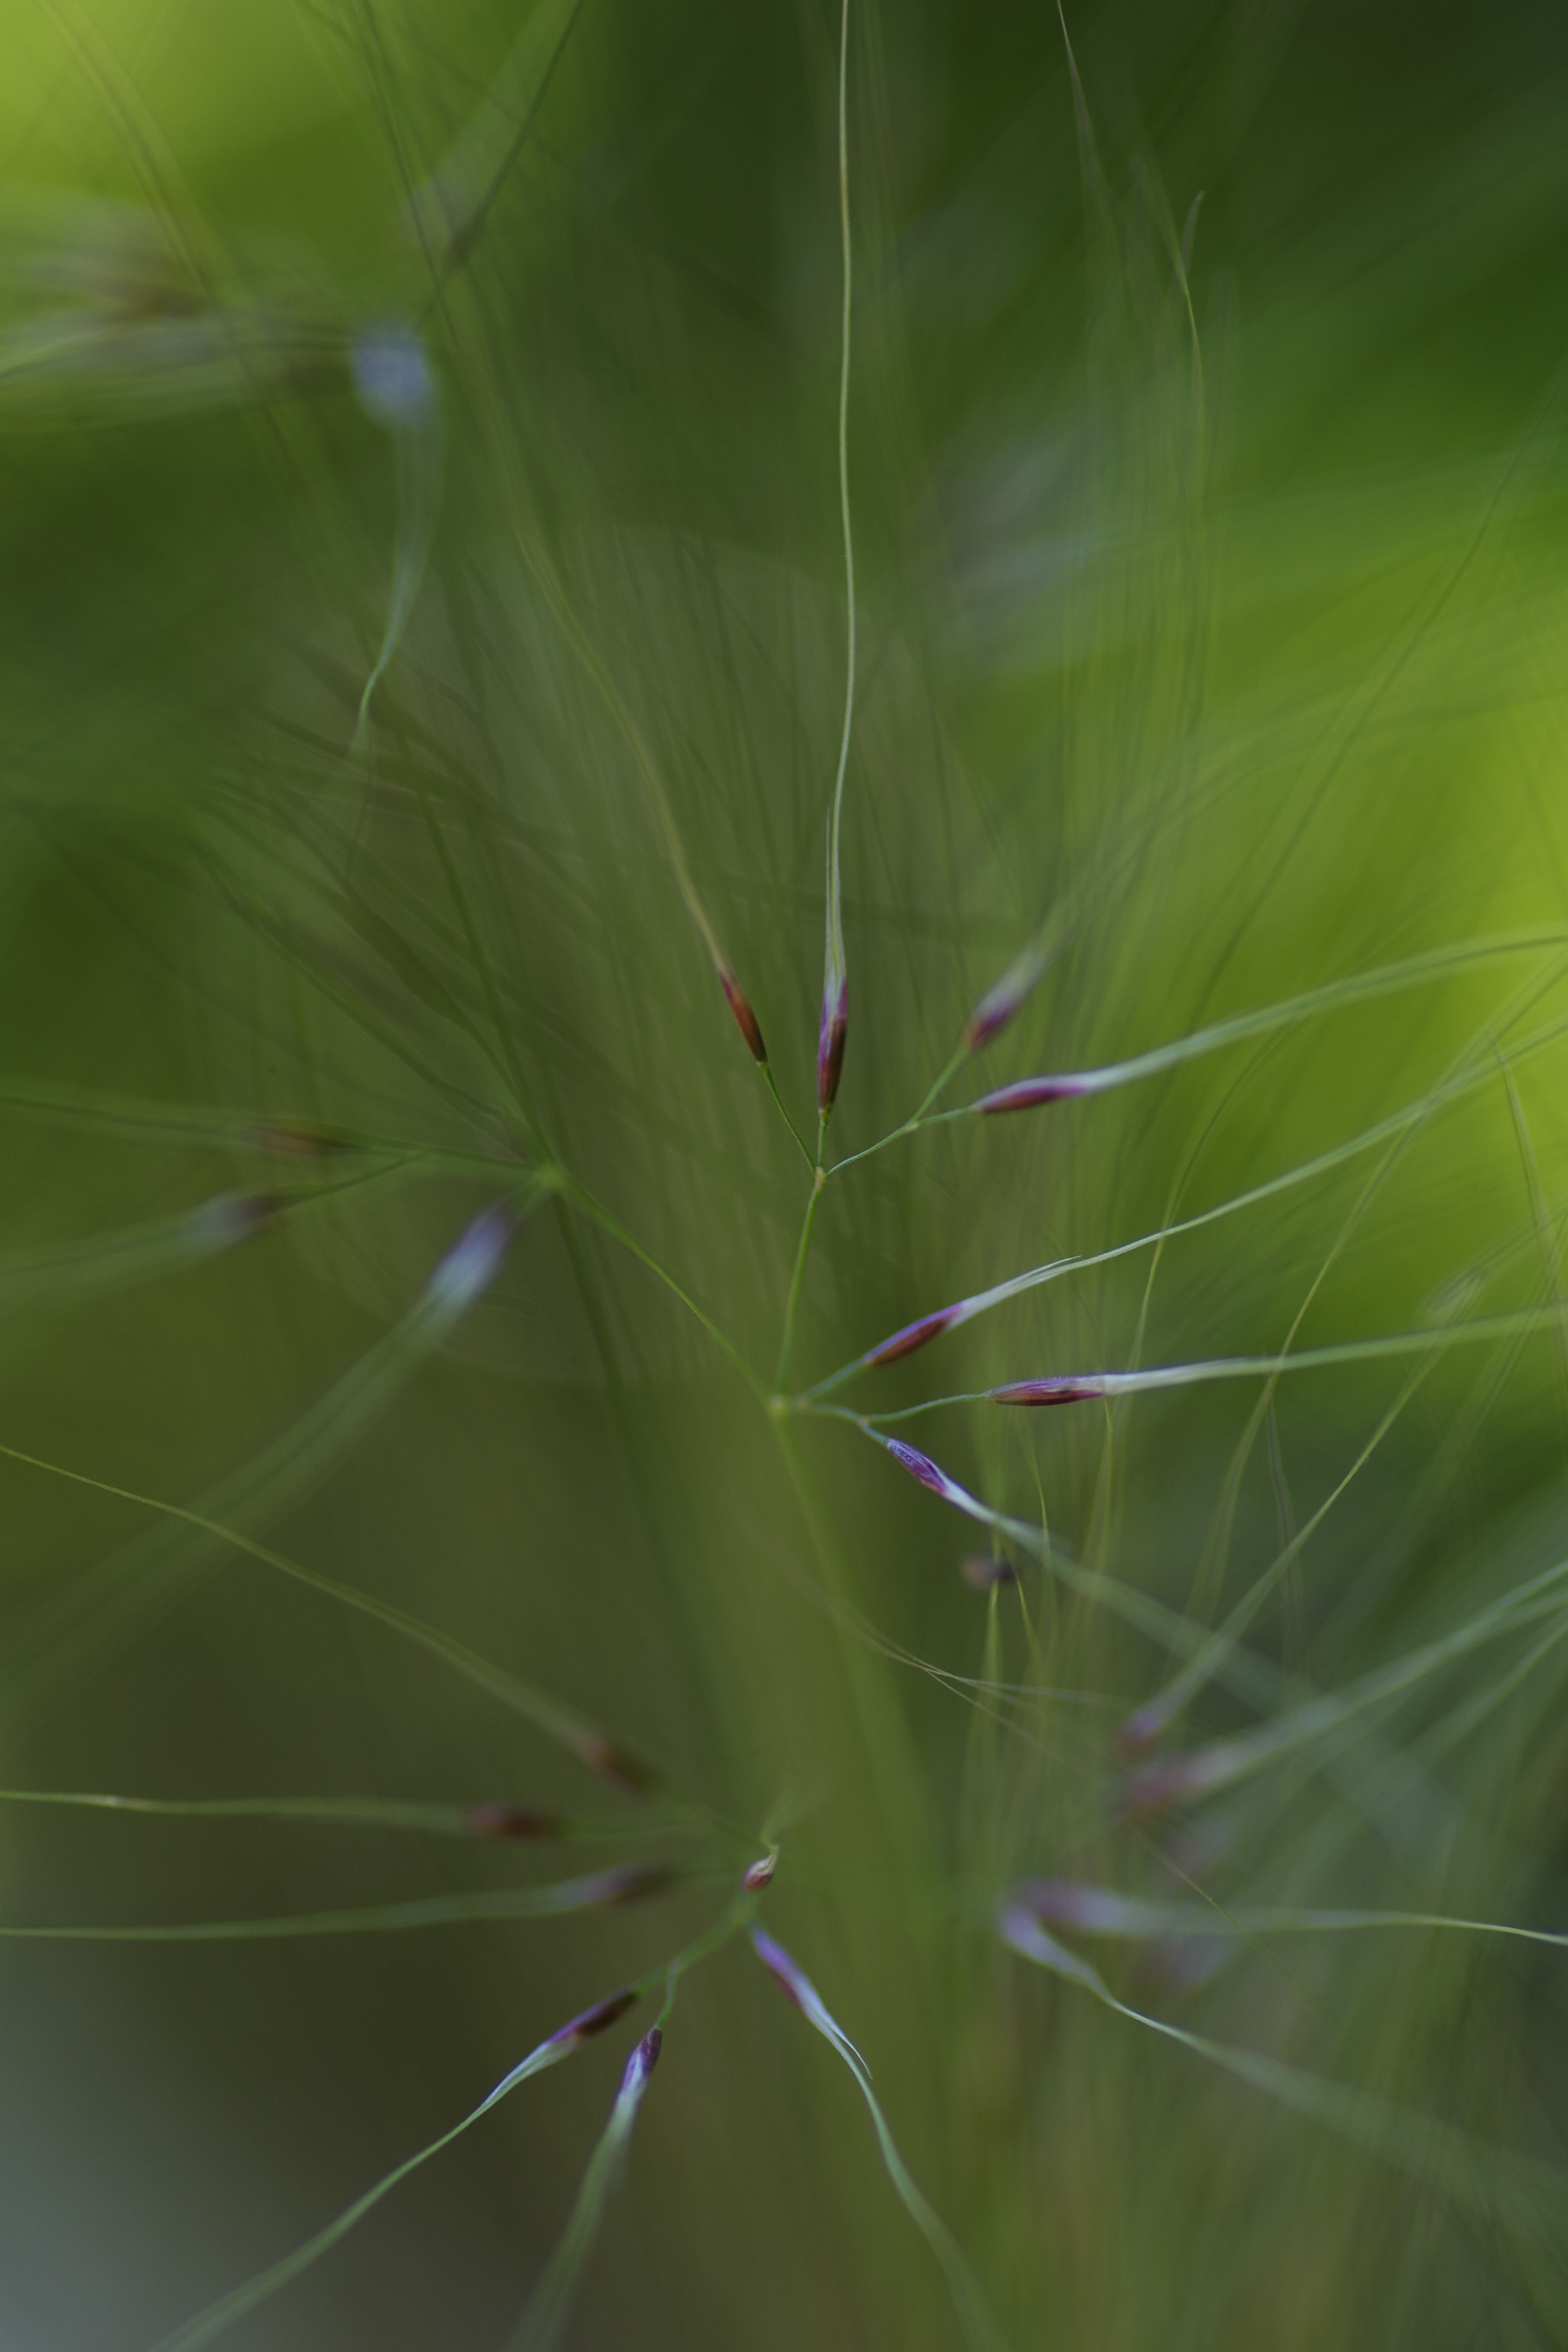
{"x": 1028, "y": 1094}
{"x": 1141, "y": 1730}
{"x": 999, "y": 1003}
{"x": 634, "y": 1882}
{"x": 1091, "y": 1910}
{"x": 830, "y": 1043}
{"x": 1177, "y": 1780}
{"x": 471, "y": 1265}
{"x": 920, "y": 1465}
{"x": 1055, "y": 1391}
{"x": 792, "y": 1980}
{"x": 602, "y": 2014}
{"x": 641, "y": 2064}
{"x": 913, "y": 1336}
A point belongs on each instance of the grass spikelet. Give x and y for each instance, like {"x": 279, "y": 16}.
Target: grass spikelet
{"x": 396, "y": 388}
{"x": 544, "y": 2322}
{"x": 978, "y": 2328}
{"x": 1003, "y": 1002}
{"x": 209, "y": 2324}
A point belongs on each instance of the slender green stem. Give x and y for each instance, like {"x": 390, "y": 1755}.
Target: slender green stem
{"x": 939, "y": 1085}
{"x": 787, "y": 1346}
{"x": 914, "y": 1125}
{"x": 783, "y": 1113}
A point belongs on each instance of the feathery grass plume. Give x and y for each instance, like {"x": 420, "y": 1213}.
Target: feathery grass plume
{"x": 219, "y": 2316}
{"x": 1213, "y": 668}
{"x": 544, "y": 2322}
{"x": 979, "y": 2328}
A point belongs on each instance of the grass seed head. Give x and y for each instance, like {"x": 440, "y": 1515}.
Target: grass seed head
{"x": 831, "y": 1041}
{"x": 471, "y": 1265}
{"x": 920, "y": 1465}
{"x": 612, "y": 1763}
{"x": 1053, "y": 1390}
{"x": 913, "y": 1336}
{"x": 641, "y": 2064}
{"x": 983, "y": 1574}
{"x": 999, "y": 1003}
{"x": 233, "y": 1217}
{"x": 1028, "y": 1094}
{"x": 511, "y": 1821}
{"x": 745, "y": 1019}
{"x": 392, "y": 376}
{"x": 602, "y": 2014}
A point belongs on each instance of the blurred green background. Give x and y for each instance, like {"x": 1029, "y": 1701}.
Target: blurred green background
{"x": 1212, "y": 605}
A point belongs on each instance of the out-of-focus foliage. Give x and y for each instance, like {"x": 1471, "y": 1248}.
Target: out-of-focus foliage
{"x": 423, "y": 596}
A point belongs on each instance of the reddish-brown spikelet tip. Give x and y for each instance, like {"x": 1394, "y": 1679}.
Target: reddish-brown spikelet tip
{"x": 984, "y": 1022}
{"x": 614, "y": 1763}
{"x": 982, "y": 1574}
{"x": 1028, "y": 1093}
{"x": 502, "y": 1820}
{"x": 912, "y": 1336}
{"x": 760, "y": 1874}
{"x": 830, "y": 1044}
{"x": 745, "y": 1019}
{"x": 289, "y": 1139}
{"x": 594, "y": 2020}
